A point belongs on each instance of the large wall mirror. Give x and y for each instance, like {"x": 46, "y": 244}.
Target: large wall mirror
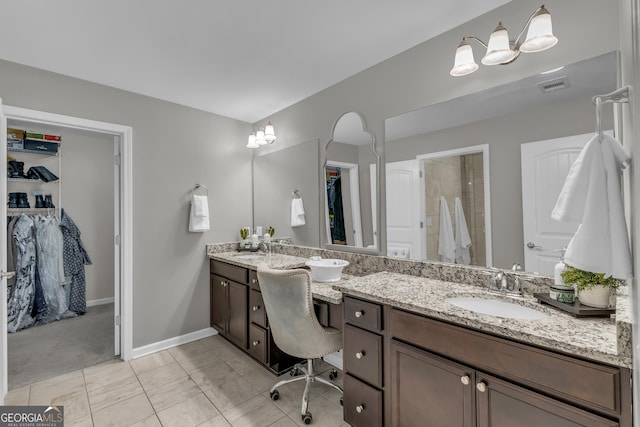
{"x": 475, "y": 148}
{"x": 349, "y": 184}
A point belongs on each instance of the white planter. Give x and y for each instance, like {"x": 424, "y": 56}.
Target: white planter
{"x": 598, "y": 296}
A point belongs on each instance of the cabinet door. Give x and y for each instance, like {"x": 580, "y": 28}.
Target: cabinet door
{"x": 237, "y": 329}
{"x": 218, "y": 303}
{"x": 427, "y": 390}
{"x": 502, "y": 404}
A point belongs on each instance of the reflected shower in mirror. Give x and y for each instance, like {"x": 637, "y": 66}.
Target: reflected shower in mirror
{"x": 349, "y": 181}
{"x": 536, "y": 111}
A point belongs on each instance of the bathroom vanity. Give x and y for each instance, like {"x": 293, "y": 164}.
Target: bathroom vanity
{"x": 411, "y": 359}
{"x": 238, "y": 313}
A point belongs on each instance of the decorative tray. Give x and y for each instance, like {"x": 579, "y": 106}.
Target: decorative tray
{"x": 576, "y": 309}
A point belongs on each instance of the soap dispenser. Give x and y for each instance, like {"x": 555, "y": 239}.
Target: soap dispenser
{"x": 559, "y": 268}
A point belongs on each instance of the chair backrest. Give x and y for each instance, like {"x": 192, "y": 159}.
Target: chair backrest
{"x": 289, "y": 304}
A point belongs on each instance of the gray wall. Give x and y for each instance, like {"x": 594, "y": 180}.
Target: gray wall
{"x": 420, "y": 76}
{"x": 174, "y": 147}
{"x": 88, "y": 197}
{"x": 504, "y": 136}
{"x": 276, "y": 175}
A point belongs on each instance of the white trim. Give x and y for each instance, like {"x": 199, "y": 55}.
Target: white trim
{"x": 100, "y": 301}
{"x": 334, "y": 359}
{"x": 354, "y": 188}
{"x": 173, "y": 342}
{"x": 125, "y": 136}
{"x": 484, "y": 149}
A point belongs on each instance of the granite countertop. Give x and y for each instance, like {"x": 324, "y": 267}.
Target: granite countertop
{"x": 602, "y": 339}
{"x": 321, "y": 291}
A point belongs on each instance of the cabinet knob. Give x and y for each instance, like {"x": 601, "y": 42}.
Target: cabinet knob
{"x": 465, "y": 379}
{"x": 255, "y": 343}
{"x": 255, "y": 308}
{"x": 360, "y": 354}
{"x": 360, "y": 408}
{"x": 254, "y": 280}
{"x": 481, "y": 386}
{"x": 359, "y": 313}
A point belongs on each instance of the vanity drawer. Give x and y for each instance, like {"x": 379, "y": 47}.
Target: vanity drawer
{"x": 258, "y": 338}
{"x": 588, "y": 384}
{"x": 233, "y": 272}
{"x": 362, "y": 404}
{"x": 362, "y": 355}
{"x": 366, "y": 315}
{"x": 253, "y": 280}
{"x": 257, "y": 313}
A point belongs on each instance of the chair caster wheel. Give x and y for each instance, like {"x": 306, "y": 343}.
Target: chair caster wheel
{"x": 275, "y": 395}
{"x": 306, "y": 418}
{"x": 341, "y": 401}
{"x": 293, "y": 372}
{"x": 333, "y": 374}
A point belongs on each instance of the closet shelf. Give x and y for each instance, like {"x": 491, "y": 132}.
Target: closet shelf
{"x": 21, "y": 150}
{"x": 31, "y": 210}
{"x": 23, "y": 180}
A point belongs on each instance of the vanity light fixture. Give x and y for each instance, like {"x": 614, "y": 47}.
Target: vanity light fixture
{"x": 501, "y": 50}
{"x": 263, "y": 136}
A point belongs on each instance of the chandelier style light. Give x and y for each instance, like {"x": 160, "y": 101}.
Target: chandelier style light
{"x": 502, "y": 51}
{"x": 263, "y": 136}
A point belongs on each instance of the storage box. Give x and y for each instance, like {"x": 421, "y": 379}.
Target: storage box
{"x": 16, "y": 144}
{"x": 44, "y": 146}
{"x": 13, "y": 133}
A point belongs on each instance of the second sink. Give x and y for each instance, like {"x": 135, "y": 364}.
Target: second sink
{"x": 497, "y": 308}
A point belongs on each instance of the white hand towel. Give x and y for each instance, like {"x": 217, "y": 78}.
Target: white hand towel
{"x": 199, "y": 216}
{"x": 591, "y": 196}
{"x": 463, "y": 240}
{"x": 446, "y": 244}
{"x": 297, "y": 213}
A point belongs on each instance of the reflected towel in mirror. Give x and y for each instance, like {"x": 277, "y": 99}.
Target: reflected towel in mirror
{"x": 447, "y": 243}
{"x": 463, "y": 240}
{"x": 199, "y": 216}
{"x": 591, "y": 195}
{"x": 297, "y": 213}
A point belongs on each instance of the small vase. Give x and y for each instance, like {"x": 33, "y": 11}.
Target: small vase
{"x": 597, "y": 296}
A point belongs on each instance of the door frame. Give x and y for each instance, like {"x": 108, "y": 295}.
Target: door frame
{"x": 354, "y": 189}
{"x": 484, "y": 149}
{"x": 123, "y": 138}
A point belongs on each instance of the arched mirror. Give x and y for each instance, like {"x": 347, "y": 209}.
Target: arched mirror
{"x": 350, "y": 188}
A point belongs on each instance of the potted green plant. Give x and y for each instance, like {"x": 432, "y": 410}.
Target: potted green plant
{"x": 244, "y": 234}
{"x": 593, "y": 288}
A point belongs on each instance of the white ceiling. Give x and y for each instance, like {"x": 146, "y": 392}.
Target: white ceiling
{"x": 244, "y": 59}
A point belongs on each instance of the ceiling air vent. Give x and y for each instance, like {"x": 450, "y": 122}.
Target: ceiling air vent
{"x": 554, "y": 85}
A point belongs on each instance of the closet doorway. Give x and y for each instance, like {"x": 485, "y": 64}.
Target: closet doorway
{"x": 119, "y": 140}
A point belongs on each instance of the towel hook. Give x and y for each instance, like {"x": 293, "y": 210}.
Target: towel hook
{"x": 200, "y": 187}
{"x": 295, "y": 194}
{"x": 598, "y": 101}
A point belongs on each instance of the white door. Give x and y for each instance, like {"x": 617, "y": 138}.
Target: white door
{"x": 3, "y": 258}
{"x": 545, "y": 165}
{"x": 403, "y": 210}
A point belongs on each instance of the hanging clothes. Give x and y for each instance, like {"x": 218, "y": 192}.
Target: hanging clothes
{"x": 11, "y": 251}
{"x": 75, "y": 257}
{"x": 20, "y": 305}
{"x": 49, "y": 246}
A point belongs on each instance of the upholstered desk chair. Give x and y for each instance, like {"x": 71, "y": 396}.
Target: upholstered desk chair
{"x": 295, "y": 327}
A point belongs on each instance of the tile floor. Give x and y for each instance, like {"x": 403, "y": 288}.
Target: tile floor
{"x": 203, "y": 383}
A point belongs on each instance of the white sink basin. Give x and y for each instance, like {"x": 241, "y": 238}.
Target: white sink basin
{"x": 497, "y": 308}
{"x": 327, "y": 270}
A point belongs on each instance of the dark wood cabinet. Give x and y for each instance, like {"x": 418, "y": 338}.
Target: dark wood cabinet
{"x": 229, "y": 309}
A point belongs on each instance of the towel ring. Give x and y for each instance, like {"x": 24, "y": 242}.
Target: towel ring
{"x": 200, "y": 188}
{"x": 295, "y": 194}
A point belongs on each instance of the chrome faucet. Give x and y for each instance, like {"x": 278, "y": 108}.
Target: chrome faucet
{"x": 506, "y": 283}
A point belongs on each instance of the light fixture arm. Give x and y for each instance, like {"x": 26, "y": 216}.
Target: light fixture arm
{"x": 517, "y": 42}
{"x": 476, "y": 39}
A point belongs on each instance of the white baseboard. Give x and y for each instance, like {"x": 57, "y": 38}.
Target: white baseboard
{"x": 334, "y": 359}
{"x": 100, "y": 301}
{"x": 173, "y": 342}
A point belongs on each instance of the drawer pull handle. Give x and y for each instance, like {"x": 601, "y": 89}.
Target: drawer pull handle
{"x": 359, "y": 409}
{"x": 481, "y": 386}
{"x": 465, "y": 379}
{"x": 255, "y": 308}
{"x": 359, "y": 313}
{"x": 255, "y": 343}
{"x": 360, "y": 354}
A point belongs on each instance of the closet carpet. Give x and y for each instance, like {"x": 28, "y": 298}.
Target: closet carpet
{"x": 60, "y": 347}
